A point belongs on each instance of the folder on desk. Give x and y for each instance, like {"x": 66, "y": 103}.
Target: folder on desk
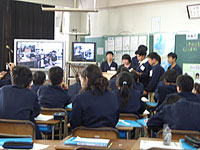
{"x": 128, "y": 123}
{"x": 3, "y": 140}
{"x": 87, "y": 142}
{"x": 185, "y": 145}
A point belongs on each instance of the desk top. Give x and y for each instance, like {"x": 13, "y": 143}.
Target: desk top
{"x": 51, "y": 143}
{"x": 50, "y": 122}
{"x": 117, "y": 144}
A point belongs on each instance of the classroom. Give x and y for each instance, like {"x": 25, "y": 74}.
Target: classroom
{"x": 99, "y": 74}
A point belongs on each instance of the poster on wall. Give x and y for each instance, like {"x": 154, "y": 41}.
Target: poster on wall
{"x": 118, "y": 43}
{"x": 110, "y": 44}
{"x": 118, "y": 58}
{"x": 164, "y": 43}
{"x": 142, "y": 40}
{"x": 126, "y": 42}
{"x": 192, "y": 70}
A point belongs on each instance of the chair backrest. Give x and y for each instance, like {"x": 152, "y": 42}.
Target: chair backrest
{"x": 102, "y": 132}
{"x": 128, "y": 116}
{"x": 179, "y": 134}
{"x": 17, "y": 127}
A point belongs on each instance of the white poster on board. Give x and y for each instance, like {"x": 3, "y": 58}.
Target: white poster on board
{"x": 118, "y": 58}
{"x": 106, "y": 45}
{"x": 134, "y": 43}
{"x": 110, "y": 44}
{"x": 118, "y": 43}
{"x": 126, "y": 43}
{"x": 142, "y": 40}
{"x": 192, "y": 70}
{"x": 100, "y": 51}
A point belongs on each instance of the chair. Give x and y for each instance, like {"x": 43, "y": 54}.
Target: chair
{"x": 14, "y": 128}
{"x": 179, "y": 134}
{"x": 102, "y": 132}
{"x": 128, "y": 116}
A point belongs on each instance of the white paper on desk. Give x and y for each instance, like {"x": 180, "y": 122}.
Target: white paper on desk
{"x": 44, "y": 117}
{"x": 145, "y": 144}
{"x": 92, "y": 140}
{"x": 37, "y": 146}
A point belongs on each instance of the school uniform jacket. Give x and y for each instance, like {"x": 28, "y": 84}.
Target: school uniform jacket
{"x": 113, "y": 84}
{"x": 134, "y": 62}
{"x": 35, "y": 88}
{"x": 139, "y": 87}
{"x": 95, "y": 111}
{"x": 177, "y": 68}
{"x": 105, "y": 67}
{"x": 52, "y": 96}
{"x": 155, "y": 74}
{"x": 73, "y": 90}
{"x": 182, "y": 115}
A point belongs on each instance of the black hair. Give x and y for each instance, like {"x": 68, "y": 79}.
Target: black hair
{"x": 125, "y": 81}
{"x": 120, "y": 69}
{"x": 154, "y": 55}
{"x": 55, "y": 75}
{"x": 197, "y": 74}
{"x": 172, "y": 99}
{"x": 39, "y": 77}
{"x": 135, "y": 76}
{"x": 197, "y": 87}
{"x": 77, "y": 77}
{"x": 142, "y": 50}
{"x": 185, "y": 83}
{"x": 21, "y": 76}
{"x": 110, "y": 52}
{"x": 173, "y": 55}
{"x": 170, "y": 76}
{"x": 97, "y": 83}
{"x": 126, "y": 56}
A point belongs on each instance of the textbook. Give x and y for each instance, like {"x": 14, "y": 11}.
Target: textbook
{"x": 87, "y": 142}
{"x": 143, "y": 122}
{"x": 185, "y": 145}
{"x": 3, "y": 140}
{"x": 128, "y": 123}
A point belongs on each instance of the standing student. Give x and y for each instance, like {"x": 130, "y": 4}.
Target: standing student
{"x": 95, "y": 106}
{"x": 156, "y": 72}
{"x": 17, "y": 101}
{"x": 109, "y": 64}
{"x": 126, "y": 60}
{"x": 39, "y": 79}
{"x": 54, "y": 95}
{"x": 172, "y": 57}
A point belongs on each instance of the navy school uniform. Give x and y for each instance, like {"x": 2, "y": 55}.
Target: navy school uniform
{"x": 35, "y": 88}
{"x": 73, "y": 90}
{"x": 113, "y": 84}
{"x": 163, "y": 90}
{"x": 177, "y": 68}
{"x": 95, "y": 111}
{"x": 19, "y": 104}
{"x": 139, "y": 87}
{"x": 105, "y": 66}
{"x": 52, "y": 96}
{"x": 131, "y": 66}
{"x": 155, "y": 74}
{"x": 134, "y": 62}
{"x": 6, "y": 81}
{"x": 182, "y": 115}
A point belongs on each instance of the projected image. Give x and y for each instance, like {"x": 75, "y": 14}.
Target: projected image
{"x": 39, "y": 54}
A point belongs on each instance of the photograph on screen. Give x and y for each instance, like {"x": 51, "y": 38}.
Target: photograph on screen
{"x": 39, "y": 54}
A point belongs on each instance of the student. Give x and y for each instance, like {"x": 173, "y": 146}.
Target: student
{"x": 196, "y": 88}
{"x": 172, "y": 57}
{"x": 167, "y": 86}
{"x": 156, "y": 72}
{"x": 75, "y": 88}
{"x": 54, "y": 95}
{"x": 39, "y": 79}
{"x": 129, "y": 98}
{"x": 134, "y": 61}
{"x": 143, "y": 67}
{"x": 17, "y": 101}
{"x": 138, "y": 86}
{"x": 5, "y": 78}
{"x": 126, "y": 60}
{"x": 109, "y": 64}
{"x": 95, "y": 106}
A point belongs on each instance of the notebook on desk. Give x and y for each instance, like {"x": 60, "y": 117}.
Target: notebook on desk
{"x": 128, "y": 123}
{"x": 87, "y": 142}
{"x": 41, "y": 117}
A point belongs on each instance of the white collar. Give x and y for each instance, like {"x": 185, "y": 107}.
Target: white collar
{"x": 143, "y": 62}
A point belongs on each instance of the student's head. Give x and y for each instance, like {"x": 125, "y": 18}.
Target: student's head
{"x": 141, "y": 52}
{"x": 172, "y": 99}
{"x": 126, "y": 59}
{"x": 119, "y": 70}
{"x": 172, "y": 57}
{"x": 55, "y": 75}
{"x": 184, "y": 83}
{"x": 92, "y": 79}
{"x": 109, "y": 56}
{"x": 135, "y": 76}
{"x": 21, "y": 76}
{"x": 197, "y": 76}
{"x": 196, "y": 88}
{"x": 170, "y": 76}
{"x": 39, "y": 78}
{"x": 124, "y": 82}
{"x": 154, "y": 58}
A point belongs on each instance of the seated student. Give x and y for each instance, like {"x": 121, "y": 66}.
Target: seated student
{"x": 109, "y": 64}
{"x": 39, "y": 79}
{"x": 196, "y": 88}
{"x": 75, "y": 88}
{"x": 5, "y": 78}
{"x": 126, "y": 60}
{"x": 143, "y": 68}
{"x": 155, "y": 74}
{"x": 138, "y": 86}
{"x": 113, "y": 79}
{"x": 172, "y": 57}
{"x": 54, "y": 95}
{"x": 129, "y": 98}
{"x": 167, "y": 86}
{"x": 17, "y": 101}
{"x": 95, "y": 106}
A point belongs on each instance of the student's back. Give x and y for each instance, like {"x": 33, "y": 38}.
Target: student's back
{"x": 73, "y": 90}
{"x": 39, "y": 79}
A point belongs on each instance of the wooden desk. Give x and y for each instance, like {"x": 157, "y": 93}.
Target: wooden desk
{"x": 107, "y": 75}
{"x": 117, "y": 144}
{"x": 51, "y": 143}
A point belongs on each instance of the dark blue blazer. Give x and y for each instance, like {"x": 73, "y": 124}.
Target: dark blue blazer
{"x": 182, "y": 115}
{"x": 113, "y": 84}
{"x": 157, "y": 72}
{"x": 51, "y": 96}
{"x": 163, "y": 90}
{"x": 134, "y": 103}
{"x": 95, "y": 111}
{"x": 6, "y": 80}
{"x": 134, "y": 62}
{"x": 139, "y": 86}
{"x": 105, "y": 67}
{"x": 144, "y": 69}
{"x": 73, "y": 90}
{"x": 177, "y": 68}
{"x": 35, "y": 88}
